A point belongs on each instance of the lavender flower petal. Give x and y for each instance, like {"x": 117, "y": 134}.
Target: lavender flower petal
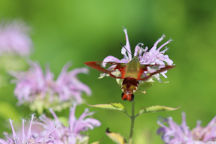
{"x": 83, "y": 123}
{"x": 72, "y": 132}
{"x": 126, "y": 50}
{"x": 14, "y": 39}
{"x": 67, "y": 84}
{"x": 146, "y": 56}
{"x": 24, "y": 135}
{"x": 49, "y": 131}
{"x": 112, "y": 59}
{"x": 41, "y": 90}
{"x": 174, "y": 133}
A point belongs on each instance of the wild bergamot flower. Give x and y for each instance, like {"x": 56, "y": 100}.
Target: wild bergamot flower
{"x": 172, "y": 133}
{"x": 155, "y": 55}
{"x": 73, "y": 132}
{"x": 15, "y": 46}
{"x": 15, "y": 39}
{"x": 52, "y": 131}
{"x": 30, "y": 133}
{"x": 40, "y": 90}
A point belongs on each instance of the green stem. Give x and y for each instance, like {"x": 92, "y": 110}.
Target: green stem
{"x": 132, "y": 119}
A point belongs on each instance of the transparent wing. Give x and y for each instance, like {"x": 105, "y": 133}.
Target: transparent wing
{"x": 149, "y": 75}
{"x": 115, "y": 66}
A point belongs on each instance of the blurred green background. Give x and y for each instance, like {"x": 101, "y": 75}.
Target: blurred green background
{"x": 84, "y": 30}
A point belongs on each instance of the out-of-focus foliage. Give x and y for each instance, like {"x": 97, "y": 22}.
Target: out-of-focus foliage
{"x": 116, "y": 137}
{"x": 112, "y": 106}
{"x": 80, "y": 31}
{"x": 156, "y": 108}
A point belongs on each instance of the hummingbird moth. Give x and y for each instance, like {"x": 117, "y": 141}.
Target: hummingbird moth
{"x": 132, "y": 73}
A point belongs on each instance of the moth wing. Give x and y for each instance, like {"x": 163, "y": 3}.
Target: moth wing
{"x": 97, "y": 66}
{"x": 145, "y": 68}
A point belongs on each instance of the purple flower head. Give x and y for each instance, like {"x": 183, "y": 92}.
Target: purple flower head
{"x": 30, "y": 133}
{"x": 70, "y": 134}
{"x": 49, "y": 131}
{"x": 67, "y": 84}
{"x": 155, "y": 55}
{"x": 40, "y": 90}
{"x": 14, "y": 39}
{"x": 181, "y": 134}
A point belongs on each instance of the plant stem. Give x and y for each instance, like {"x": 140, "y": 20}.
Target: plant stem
{"x": 132, "y": 119}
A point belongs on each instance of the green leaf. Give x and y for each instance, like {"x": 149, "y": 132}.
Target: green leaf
{"x": 97, "y": 142}
{"x": 112, "y": 106}
{"x": 156, "y": 108}
{"x": 116, "y": 137}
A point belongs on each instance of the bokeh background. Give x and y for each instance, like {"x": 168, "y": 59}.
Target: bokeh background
{"x": 83, "y": 30}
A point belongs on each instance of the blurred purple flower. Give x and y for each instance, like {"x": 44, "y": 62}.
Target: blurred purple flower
{"x": 70, "y": 134}
{"x": 31, "y": 84}
{"x": 68, "y": 85}
{"x": 34, "y": 86}
{"x": 181, "y": 134}
{"x": 48, "y": 131}
{"x": 14, "y": 39}
{"x": 146, "y": 56}
{"x": 30, "y": 133}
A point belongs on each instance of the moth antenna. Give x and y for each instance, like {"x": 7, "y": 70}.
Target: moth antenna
{"x": 125, "y": 48}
